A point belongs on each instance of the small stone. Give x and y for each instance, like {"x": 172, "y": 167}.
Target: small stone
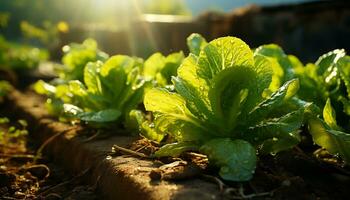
{"x": 28, "y": 175}
{"x": 155, "y": 174}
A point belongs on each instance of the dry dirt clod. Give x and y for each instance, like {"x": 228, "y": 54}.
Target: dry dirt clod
{"x": 156, "y": 174}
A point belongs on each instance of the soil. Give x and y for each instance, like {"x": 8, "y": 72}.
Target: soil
{"x": 23, "y": 176}
{"x": 304, "y": 172}
{"x": 297, "y": 174}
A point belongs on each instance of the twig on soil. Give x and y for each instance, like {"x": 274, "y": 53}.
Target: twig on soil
{"x": 143, "y": 147}
{"x": 253, "y": 187}
{"x": 18, "y": 156}
{"x": 37, "y": 166}
{"x": 197, "y": 155}
{"x": 64, "y": 183}
{"x": 95, "y": 185}
{"x": 92, "y": 137}
{"x": 239, "y": 193}
{"x": 10, "y": 198}
{"x": 249, "y": 196}
{"x": 55, "y": 187}
{"x": 116, "y": 148}
{"x": 215, "y": 180}
{"x": 50, "y": 139}
{"x": 53, "y": 195}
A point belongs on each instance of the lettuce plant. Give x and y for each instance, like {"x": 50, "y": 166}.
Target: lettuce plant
{"x": 57, "y": 95}
{"x": 327, "y": 134}
{"x": 5, "y": 88}
{"x": 327, "y": 78}
{"x": 19, "y": 57}
{"x": 160, "y": 69}
{"x": 76, "y": 56}
{"x": 109, "y": 91}
{"x": 219, "y": 109}
{"x": 325, "y": 82}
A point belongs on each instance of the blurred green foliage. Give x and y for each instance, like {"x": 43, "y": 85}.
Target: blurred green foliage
{"x": 5, "y": 87}
{"x": 4, "y": 19}
{"x": 76, "y": 56}
{"x": 18, "y": 57}
{"x": 78, "y": 12}
{"x": 169, "y": 7}
{"x": 13, "y": 132}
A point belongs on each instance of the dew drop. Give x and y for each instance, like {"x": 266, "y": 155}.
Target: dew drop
{"x": 151, "y": 125}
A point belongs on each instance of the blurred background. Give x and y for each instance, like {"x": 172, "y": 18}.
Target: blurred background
{"x": 140, "y": 27}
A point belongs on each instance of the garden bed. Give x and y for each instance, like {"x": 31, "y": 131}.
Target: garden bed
{"x": 123, "y": 176}
{"x": 290, "y": 175}
{"x": 266, "y": 149}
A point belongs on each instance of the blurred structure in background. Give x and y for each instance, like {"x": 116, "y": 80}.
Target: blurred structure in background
{"x": 306, "y": 30}
{"x": 140, "y": 27}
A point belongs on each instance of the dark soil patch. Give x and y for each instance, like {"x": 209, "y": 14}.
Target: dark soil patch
{"x": 23, "y": 177}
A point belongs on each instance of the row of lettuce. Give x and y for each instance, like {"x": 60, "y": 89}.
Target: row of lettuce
{"x": 18, "y": 57}
{"x": 224, "y": 100}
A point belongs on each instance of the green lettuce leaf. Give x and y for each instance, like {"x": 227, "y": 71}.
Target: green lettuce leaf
{"x": 329, "y": 116}
{"x": 336, "y": 142}
{"x": 328, "y": 60}
{"x": 283, "y": 94}
{"x": 76, "y": 56}
{"x": 108, "y": 115}
{"x": 196, "y": 43}
{"x": 175, "y": 149}
{"x": 343, "y": 65}
{"x": 276, "y": 134}
{"x": 160, "y": 68}
{"x": 236, "y": 158}
{"x": 281, "y": 64}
